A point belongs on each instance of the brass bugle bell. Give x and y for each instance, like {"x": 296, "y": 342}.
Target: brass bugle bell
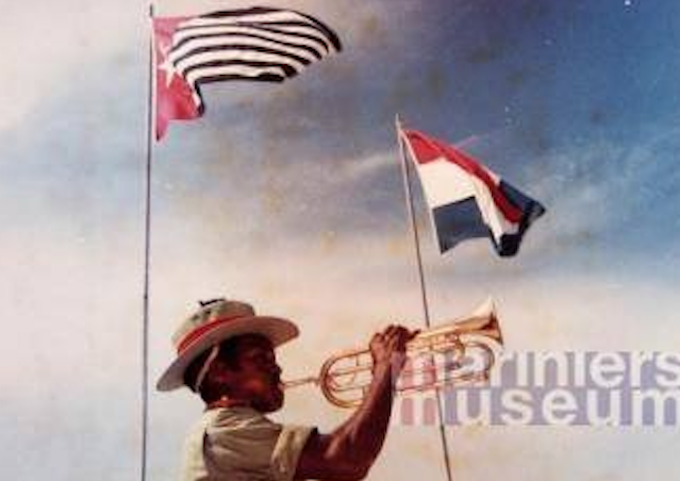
{"x": 457, "y": 352}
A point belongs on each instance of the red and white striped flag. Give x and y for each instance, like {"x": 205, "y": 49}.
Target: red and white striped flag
{"x": 254, "y": 44}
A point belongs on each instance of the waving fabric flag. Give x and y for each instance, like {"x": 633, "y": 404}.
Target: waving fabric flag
{"x": 466, "y": 199}
{"x": 256, "y": 44}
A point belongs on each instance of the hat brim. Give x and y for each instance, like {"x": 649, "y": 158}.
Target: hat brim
{"x": 277, "y": 330}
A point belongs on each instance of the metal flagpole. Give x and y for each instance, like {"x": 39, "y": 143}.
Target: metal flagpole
{"x": 147, "y": 256}
{"x": 423, "y": 290}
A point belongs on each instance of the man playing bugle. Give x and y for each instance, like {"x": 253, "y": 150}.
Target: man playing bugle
{"x": 225, "y": 354}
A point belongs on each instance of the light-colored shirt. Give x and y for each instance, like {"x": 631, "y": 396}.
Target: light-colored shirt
{"x": 241, "y": 444}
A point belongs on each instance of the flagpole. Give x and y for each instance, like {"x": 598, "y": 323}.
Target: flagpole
{"x": 414, "y": 227}
{"x": 423, "y": 287}
{"x": 147, "y": 257}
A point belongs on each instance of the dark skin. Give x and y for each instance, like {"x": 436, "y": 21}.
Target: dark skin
{"x": 256, "y": 381}
{"x": 347, "y": 453}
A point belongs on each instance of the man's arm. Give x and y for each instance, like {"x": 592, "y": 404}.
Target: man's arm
{"x": 347, "y": 453}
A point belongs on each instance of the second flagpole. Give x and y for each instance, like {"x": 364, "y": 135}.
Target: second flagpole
{"x": 147, "y": 254}
{"x": 423, "y": 287}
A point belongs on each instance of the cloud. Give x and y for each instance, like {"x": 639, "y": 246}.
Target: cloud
{"x": 45, "y": 54}
{"x": 83, "y": 340}
{"x": 609, "y": 196}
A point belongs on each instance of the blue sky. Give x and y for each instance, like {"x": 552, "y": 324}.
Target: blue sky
{"x": 290, "y": 196}
{"x": 530, "y": 83}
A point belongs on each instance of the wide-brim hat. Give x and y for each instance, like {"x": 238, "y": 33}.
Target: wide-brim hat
{"x": 214, "y": 322}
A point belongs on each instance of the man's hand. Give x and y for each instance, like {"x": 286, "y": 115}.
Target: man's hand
{"x": 350, "y": 450}
{"x": 388, "y": 348}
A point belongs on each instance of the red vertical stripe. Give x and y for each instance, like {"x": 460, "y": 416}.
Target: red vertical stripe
{"x": 174, "y": 100}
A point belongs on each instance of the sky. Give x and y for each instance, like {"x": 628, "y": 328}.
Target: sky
{"x": 290, "y": 197}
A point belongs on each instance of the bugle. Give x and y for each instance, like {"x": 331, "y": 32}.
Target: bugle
{"x": 457, "y": 352}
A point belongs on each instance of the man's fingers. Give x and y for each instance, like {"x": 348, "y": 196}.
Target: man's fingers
{"x": 402, "y": 340}
{"x": 400, "y": 331}
{"x": 395, "y": 336}
{"x": 389, "y": 330}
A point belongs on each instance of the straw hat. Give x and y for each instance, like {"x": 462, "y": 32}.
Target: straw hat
{"x": 213, "y": 323}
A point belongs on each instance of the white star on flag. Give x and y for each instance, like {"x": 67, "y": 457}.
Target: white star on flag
{"x": 167, "y": 66}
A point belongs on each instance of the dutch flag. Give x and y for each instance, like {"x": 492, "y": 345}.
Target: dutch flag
{"x": 466, "y": 199}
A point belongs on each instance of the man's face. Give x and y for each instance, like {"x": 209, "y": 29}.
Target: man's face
{"x": 256, "y": 377}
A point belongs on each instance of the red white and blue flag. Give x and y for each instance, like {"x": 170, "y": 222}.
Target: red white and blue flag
{"x": 466, "y": 199}
{"x": 251, "y": 44}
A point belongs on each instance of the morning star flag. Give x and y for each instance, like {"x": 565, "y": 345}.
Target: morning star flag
{"x": 254, "y": 44}
{"x": 466, "y": 199}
